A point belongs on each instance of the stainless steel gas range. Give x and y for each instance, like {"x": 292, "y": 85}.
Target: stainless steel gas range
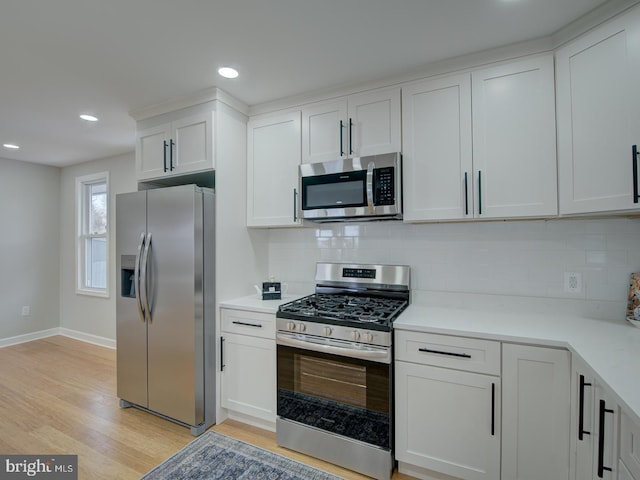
{"x": 335, "y": 366}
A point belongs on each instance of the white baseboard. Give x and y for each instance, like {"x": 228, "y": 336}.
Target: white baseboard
{"x": 88, "y": 337}
{"x": 84, "y": 337}
{"x": 28, "y": 337}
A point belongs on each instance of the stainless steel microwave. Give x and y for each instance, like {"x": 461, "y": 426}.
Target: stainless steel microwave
{"x": 356, "y": 189}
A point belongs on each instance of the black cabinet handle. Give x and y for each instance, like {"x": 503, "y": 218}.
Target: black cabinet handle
{"x": 295, "y": 205}
{"x": 634, "y": 152}
{"x": 341, "y": 143}
{"x": 466, "y": 194}
{"x": 479, "y": 192}
{"x": 441, "y": 352}
{"x": 164, "y": 147}
{"x": 601, "y": 467}
{"x": 493, "y": 409}
{"x": 246, "y": 324}
{"x": 581, "y": 430}
{"x": 350, "y": 137}
{"x": 171, "y": 145}
{"x": 222, "y": 365}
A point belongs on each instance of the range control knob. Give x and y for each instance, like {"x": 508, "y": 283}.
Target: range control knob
{"x": 291, "y": 326}
{"x": 302, "y": 327}
{"x": 327, "y": 331}
{"x": 355, "y": 335}
{"x": 368, "y": 337}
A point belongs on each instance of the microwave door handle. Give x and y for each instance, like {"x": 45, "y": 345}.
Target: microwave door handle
{"x": 370, "y": 168}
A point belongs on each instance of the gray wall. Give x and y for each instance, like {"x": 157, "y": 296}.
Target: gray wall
{"x": 93, "y": 316}
{"x": 29, "y": 261}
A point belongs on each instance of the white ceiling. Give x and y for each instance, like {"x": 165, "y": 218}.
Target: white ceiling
{"x": 61, "y": 58}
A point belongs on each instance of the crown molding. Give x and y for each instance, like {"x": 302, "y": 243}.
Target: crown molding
{"x": 204, "y": 96}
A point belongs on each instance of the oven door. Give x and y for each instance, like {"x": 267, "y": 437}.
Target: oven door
{"x": 346, "y": 396}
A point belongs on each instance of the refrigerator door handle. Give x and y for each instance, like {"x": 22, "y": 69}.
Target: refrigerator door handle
{"x": 145, "y": 278}
{"x": 136, "y": 279}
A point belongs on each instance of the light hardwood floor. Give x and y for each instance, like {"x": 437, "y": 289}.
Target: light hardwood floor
{"x": 58, "y": 396}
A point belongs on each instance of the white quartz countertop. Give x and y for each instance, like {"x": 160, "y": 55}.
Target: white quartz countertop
{"x": 610, "y": 348}
{"x": 255, "y": 303}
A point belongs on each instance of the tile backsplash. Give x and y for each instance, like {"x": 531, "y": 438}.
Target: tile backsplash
{"x": 513, "y": 258}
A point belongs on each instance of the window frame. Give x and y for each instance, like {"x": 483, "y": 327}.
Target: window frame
{"x": 82, "y": 215}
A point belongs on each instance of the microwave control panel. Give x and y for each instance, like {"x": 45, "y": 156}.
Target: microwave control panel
{"x": 383, "y": 180}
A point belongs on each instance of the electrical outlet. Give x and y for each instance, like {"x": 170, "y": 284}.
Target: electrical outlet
{"x": 572, "y": 282}
{"x": 26, "y": 311}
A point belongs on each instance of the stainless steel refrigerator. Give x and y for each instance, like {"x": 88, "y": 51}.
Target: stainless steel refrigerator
{"x": 165, "y": 303}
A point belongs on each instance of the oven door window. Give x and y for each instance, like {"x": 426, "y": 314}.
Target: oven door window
{"x": 342, "y": 190}
{"x": 341, "y": 395}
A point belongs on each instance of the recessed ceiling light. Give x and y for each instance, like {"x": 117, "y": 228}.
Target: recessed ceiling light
{"x": 228, "y": 72}
{"x": 89, "y": 118}
{"x": 12, "y": 146}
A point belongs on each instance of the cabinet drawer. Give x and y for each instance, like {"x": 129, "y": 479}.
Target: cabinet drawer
{"x": 630, "y": 444}
{"x": 249, "y": 323}
{"x": 470, "y": 354}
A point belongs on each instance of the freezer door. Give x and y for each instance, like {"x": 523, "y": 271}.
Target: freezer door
{"x": 131, "y": 330}
{"x": 175, "y": 331}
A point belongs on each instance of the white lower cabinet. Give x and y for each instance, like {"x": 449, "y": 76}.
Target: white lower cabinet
{"x": 535, "y": 412}
{"x": 447, "y": 420}
{"x": 481, "y": 409}
{"x": 594, "y": 427}
{"x": 629, "y": 465}
{"x": 248, "y": 365}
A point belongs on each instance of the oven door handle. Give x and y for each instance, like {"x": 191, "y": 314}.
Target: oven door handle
{"x": 381, "y": 356}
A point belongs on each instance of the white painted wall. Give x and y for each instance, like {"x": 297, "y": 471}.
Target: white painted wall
{"x": 92, "y": 316}
{"x": 525, "y": 259}
{"x": 29, "y": 264}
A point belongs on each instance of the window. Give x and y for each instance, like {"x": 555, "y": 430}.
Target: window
{"x": 92, "y": 211}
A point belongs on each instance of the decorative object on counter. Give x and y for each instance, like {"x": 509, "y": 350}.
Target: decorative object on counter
{"x": 214, "y": 456}
{"x": 271, "y": 290}
{"x": 633, "y": 307}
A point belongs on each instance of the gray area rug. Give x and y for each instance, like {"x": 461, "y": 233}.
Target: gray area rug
{"x": 214, "y": 456}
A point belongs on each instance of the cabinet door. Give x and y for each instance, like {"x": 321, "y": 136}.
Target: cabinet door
{"x": 324, "y": 131}
{"x": 273, "y": 157}
{"x": 514, "y": 139}
{"x": 582, "y": 420}
{"x": 248, "y": 382}
{"x": 374, "y": 123}
{"x": 599, "y": 117}
{"x": 448, "y": 421}
{"x": 630, "y": 445}
{"x": 605, "y": 456}
{"x": 436, "y": 156}
{"x": 152, "y": 152}
{"x": 535, "y": 412}
{"x": 193, "y": 144}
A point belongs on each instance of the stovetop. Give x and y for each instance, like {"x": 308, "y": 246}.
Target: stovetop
{"x": 369, "y": 312}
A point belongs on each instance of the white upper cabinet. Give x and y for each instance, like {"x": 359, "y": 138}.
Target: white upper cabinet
{"x": 354, "y": 126}
{"x": 599, "y": 117}
{"x": 175, "y": 148}
{"x": 273, "y": 157}
{"x": 514, "y": 139}
{"x": 436, "y": 157}
{"x": 481, "y": 144}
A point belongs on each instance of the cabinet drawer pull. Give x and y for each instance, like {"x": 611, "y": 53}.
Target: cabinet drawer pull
{"x": 295, "y": 205}
{"x": 479, "y": 192}
{"x": 171, "y": 145}
{"x": 493, "y": 409}
{"x": 222, "y": 354}
{"x": 634, "y": 152}
{"x": 164, "y": 149}
{"x": 581, "y": 430}
{"x": 350, "y": 137}
{"x": 246, "y": 324}
{"x": 601, "y": 467}
{"x": 466, "y": 195}
{"x": 341, "y": 143}
{"x": 440, "y": 352}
